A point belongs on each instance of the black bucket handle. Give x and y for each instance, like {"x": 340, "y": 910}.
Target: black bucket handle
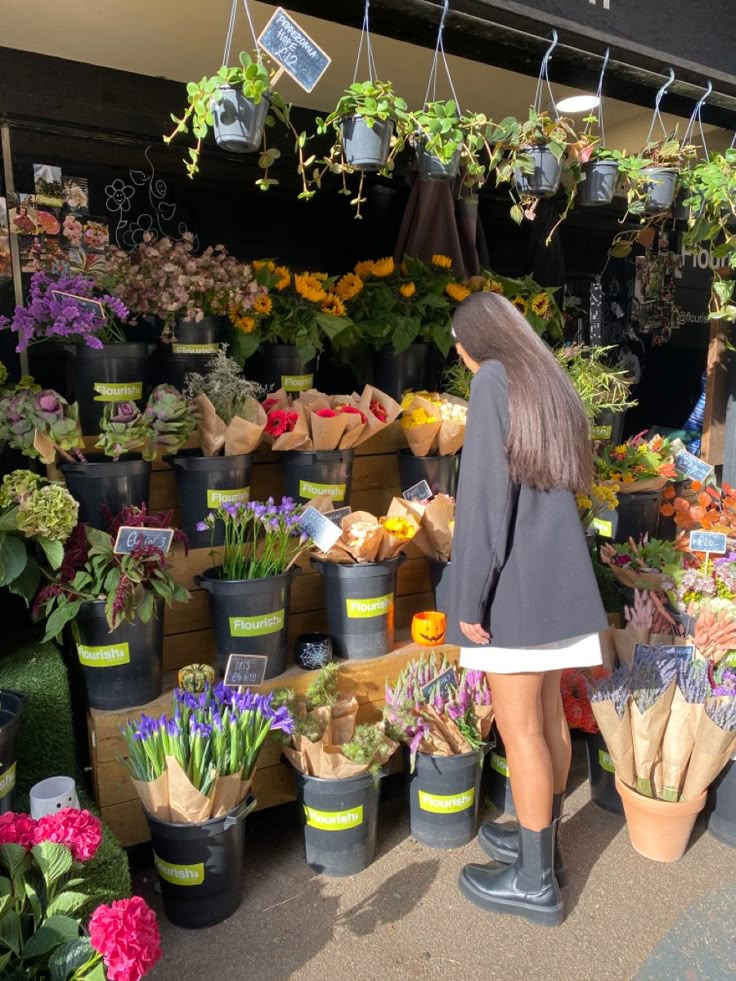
{"x": 241, "y": 812}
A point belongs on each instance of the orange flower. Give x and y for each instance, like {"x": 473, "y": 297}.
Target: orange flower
{"x": 333, "y": 304}
{"x": 262, "y": 304}
{"x": 407, "y": 290}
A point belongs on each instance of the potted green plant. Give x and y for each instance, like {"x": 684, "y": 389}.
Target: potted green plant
{"x": 653, "y": 174}
{"x": 446, "y": 140}
{"x": 603, "y": 386}
{"x": 114, "y": 604}
{"x": 250, "y": 590}
{"x": 598, "y": 170}
{"x": 372, "y": 125}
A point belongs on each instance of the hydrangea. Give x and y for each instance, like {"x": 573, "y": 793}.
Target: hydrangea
{"x": 48, "y": 512}
{"x": 126, "y": 934}
{"x": 17, "y": 486}
{"x": 80, "y": 831}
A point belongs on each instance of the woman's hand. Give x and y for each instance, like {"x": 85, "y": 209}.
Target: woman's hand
{"x": 476, "y": 633}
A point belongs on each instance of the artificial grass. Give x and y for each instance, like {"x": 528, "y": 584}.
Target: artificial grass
{"x": 46, "y": 748}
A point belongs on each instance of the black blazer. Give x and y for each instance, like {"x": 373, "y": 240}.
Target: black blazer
{"x": 520, "y": 565}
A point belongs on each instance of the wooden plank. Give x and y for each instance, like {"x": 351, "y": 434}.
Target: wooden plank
{"x": 375, "y": 472}
{"x": 716, "y": 394}
{"x": 195, "y": 647}
{"x": 127, "y": 821}
{"x": 184, "y": 617}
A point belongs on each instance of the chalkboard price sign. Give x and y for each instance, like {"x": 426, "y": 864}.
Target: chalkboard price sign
{"x": 245, "y": 670}
{"x": 324, "y": 533}
{"x": 417, "y": 492}
{"x": 337, "y": 515}
{"x": 712, "y": 542}
{"x": 690, "y": 466}
{"x": 128, "y": 538}
{"x": 293, "y": 49}
{"x": 444, "y": 683}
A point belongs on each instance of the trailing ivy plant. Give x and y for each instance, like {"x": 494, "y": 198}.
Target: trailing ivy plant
{"x": 443, "y": 130}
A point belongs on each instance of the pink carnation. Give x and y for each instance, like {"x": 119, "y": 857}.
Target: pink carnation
{"x": 80, "y": 831}
{"x": 17, "y": 829}
{"x": 126, "y": 934}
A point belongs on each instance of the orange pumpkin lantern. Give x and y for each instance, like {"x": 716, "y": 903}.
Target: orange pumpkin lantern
{"x": 429, "y": 628}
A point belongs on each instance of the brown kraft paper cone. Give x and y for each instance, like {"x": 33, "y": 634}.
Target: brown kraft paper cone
{"x": 484, "y": 715}
{"x": 242, "y": 436}
{"x": 373, "y": 424}
{"x": 298, "y": 438}
{"x": 647, "y": 731}
{"x": 211, "y": 427}
{"x": 188, "y": 805}
{"x": 154, "y": 795}
{"x": 448, "y": 731}
{"x": 423, "y": 439}
{"x": 334, "y": 766}
{"x": 327, "y": 433}
{"x": 367, "y": 549}
{"x": 227, "y": 793}
{"x": 712, "y": 750}
{"x": 617, "y": 735}
{"x": 625, "y": 641}
{"x": 677, "y": 746}
{"x": 342, "y": 723}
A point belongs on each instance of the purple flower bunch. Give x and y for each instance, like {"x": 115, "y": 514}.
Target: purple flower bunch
{"x": 219, "y": 733}
{"x": 79, "y": 316}
{"x": 261, "y": 538}
{"x": 614, "y": 689}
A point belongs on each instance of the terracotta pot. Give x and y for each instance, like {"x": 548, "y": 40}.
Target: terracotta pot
{"x": 658, "y": 829}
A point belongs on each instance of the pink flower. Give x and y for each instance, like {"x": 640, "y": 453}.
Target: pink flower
{"x": 126, "y": 934}
{"x": 80, "y": 831}
{"x": 17, "y": 829}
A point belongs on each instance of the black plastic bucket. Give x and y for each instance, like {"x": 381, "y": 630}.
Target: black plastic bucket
{"x": 250, "y": 616}
{"x": 440, "y": 472}
{"x": 444, "y": 794}
{"x": 340, "y": 820}
{"x": 115, "y": 484}
{"x": 122, "y": 669}
{"x": 431, "y": 168}
{"x": 203, "y": 483}
{"x": 49, "y": 364}
{"x": 238, "y": 122}
{"x": 722, "y": 801}
{"x": 279, "y": 366}
{"x": 360, "y": 606}
{"x": 637, "y": 514}
{"x": 659, "y": 192}
{"x": 366, "y": 147}
{"x": 602, "y": 774}
{"x": 195, "y": 346}
{"x": 544, "y": 180}
{"x": 598, "y": 188}
{"x": 316, "y": 473}
{"x": 116, "y": 373}
{"x": 499, "y": 784}
{"x": 200, "y": 866}
{"x": 439, "y": 575}
{"x": 395, "y": 373}
{"x": 609, "y": 427}
{"x": 11, "y": 709}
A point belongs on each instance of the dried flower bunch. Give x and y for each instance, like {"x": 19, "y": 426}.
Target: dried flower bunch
{"x": 230, "y": 393}
{"x": 710, "y": 508}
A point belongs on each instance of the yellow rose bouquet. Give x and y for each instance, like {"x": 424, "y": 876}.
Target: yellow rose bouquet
{"x": 434, "y": 424}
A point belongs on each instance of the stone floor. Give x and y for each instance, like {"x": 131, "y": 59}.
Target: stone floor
{"x": 403, "y": 918}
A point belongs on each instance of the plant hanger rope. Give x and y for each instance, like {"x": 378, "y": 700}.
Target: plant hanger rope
{"x": 599, "y": 96}
{"x": 656, "y": 115}
{"x": 231, "y": 31}
{"x": 440, "y": 50}
{"x": 697, "y": 117}
{"x": 543, "y": 79}
{"x": 365, "y": 36}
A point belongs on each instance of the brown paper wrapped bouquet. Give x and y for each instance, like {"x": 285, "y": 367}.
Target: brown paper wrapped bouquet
{"x": 433, "y": 424}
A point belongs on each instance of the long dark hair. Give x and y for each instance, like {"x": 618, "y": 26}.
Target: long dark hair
{"x": 548, "y": 443}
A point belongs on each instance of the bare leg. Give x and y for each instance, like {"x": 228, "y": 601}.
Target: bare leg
{"x": 556, "y": 730}
{"x": 517, "y": 700}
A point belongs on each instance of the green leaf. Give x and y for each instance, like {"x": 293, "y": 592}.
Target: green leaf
{"x": 14, "y": 858}
{"x": 67, "y": 902}
{"x": 10, "y": 931}
{"x": 54, "y": 551}
{"x": 27, "y": 583}
{"x": 13, "y": 558}
{"x": 406, "y": 332}
{"x": 68, "y": 957}
{"x": 48, "y": 937}
{"x": 517, "y": 214}
{"x": 53, "y": 860}
{"x": 60, "y": 617}
{"x": 330, "y": 325}
{"x": 6, "y": 903}
{"x": 9, "y": 520}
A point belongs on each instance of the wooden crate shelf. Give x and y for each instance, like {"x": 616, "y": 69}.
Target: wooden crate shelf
{"x": 273, "y": 785}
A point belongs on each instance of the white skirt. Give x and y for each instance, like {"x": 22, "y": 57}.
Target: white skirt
{"x": 578, "y": 652}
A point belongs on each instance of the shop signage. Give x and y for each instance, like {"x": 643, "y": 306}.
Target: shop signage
{"x": 321, "y": 529}
{"x": 179, "y": 875}
{"x": 364, "y": 609}
{"x": 245, "y": 670}
{"x": 310, "y": 490}
{"x": 258, "y": 626}
{"x": 293, "y": 49}
{"x": 129, "y": 538}
{"x": 446, "y": 803}
{"x": 334, "y": 820}
{"x": 104, "y": 656}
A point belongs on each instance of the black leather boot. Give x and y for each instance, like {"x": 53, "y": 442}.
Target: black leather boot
{"x": 527, "y": 888}
{"x": 501, "y": 841}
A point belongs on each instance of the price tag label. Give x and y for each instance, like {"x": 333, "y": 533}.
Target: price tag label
{"x": 323, "y": 532}
{"x": 712, "y": 542}
{"x": 128, "y": 538}
{"x": 418, "y": 492}
{"x": 293, "y": 49}
{"x": 336, "y": 516}
{"x": 245, "y": 670}
{"x": 444, "y": 683}
{"x": 691, "y": 466}
{"x": 83, "y": 302}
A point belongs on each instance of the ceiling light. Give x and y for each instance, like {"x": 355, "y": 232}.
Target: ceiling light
{"x": 579, "y": 103}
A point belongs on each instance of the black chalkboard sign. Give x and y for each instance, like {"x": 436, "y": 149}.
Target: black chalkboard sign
{"x": 444, "y": 683}
{"x": 336, "y": 516}
{"x": 290, "y": 46}
{"x": 417, "y": 492}
{"x": 713, "y": 542}
{"x": 245, "y": 670}
{"x": 693, "y": 467}
{"x": 128, "y": 537}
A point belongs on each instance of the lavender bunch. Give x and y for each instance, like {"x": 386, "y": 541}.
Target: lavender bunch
{"x": 722, "y": 712}
{"x": 614, "y": 689}
{"x": 693, "y": 680}
{"x": 649, "y": 678}
{"x": 66, "y": 318}
{"x": 261, "y": 539}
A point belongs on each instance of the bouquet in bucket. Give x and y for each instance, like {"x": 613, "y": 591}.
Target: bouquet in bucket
{"x": 434, "y": 424}
{"x": 199, "y": 762}
{"x": 163, "y": 427}
{"x": 436, "y": 526}
{"x": 326, "y": 740}
{"x": 231, "y": 419}
{"x": 642, "y": 564}
{"x": 436, "y": 709}
{"x": 327, "y": 422}
{"x": 637, "y": 465}
{"x": 366, "y": 538}
{"x": 648, "y": 621}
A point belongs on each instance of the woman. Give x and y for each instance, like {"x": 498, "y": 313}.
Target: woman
{"x": 524, "y": 600}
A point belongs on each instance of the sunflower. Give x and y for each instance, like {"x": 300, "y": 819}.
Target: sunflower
{"x": 262, "y": 304}
{"x": 494, "y": 286}
{"x": 364, "y": 269}
{"x": 457, "y": 292}
{"x": 540, "y": 304}
{"x": 263, "y": 264}
{"x": 477, "y": 283}
{"x": 334, "y": 305}
{"x": 320, "y": 276}
{"x": 348, "y": 286}
{"x": 310, "y": 288}
{"x": 246, "y": 324}
{"x": 407, "y": 290}
{"x": 520, "y": 303}
{"x": 441, "y": 261}
{"x": 285, "y": 279}
{"x": 383, "y": 267}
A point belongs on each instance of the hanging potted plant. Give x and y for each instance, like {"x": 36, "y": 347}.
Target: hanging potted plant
{"x": 447, "y": 140}
{"x": 71, "y": 311}
{"x": 652, "y": 175}
{"x": 231, "y": 425}
{"x": 446, "y": 728}
{"x": 114, "y": 604}
{"x": 371, "y": 124}
{"x": 283, "y": 331}
{"x": 250, "y": 591}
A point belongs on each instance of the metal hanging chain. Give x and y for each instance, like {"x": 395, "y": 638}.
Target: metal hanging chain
{"x": 231, "y": 31}
{"x": 365, "y": 35}
{"x": 697, "y": 117}
{"x": 657, "y": 116}
{"x": 440, "y": 51}
{"x": 543, "y": 79}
